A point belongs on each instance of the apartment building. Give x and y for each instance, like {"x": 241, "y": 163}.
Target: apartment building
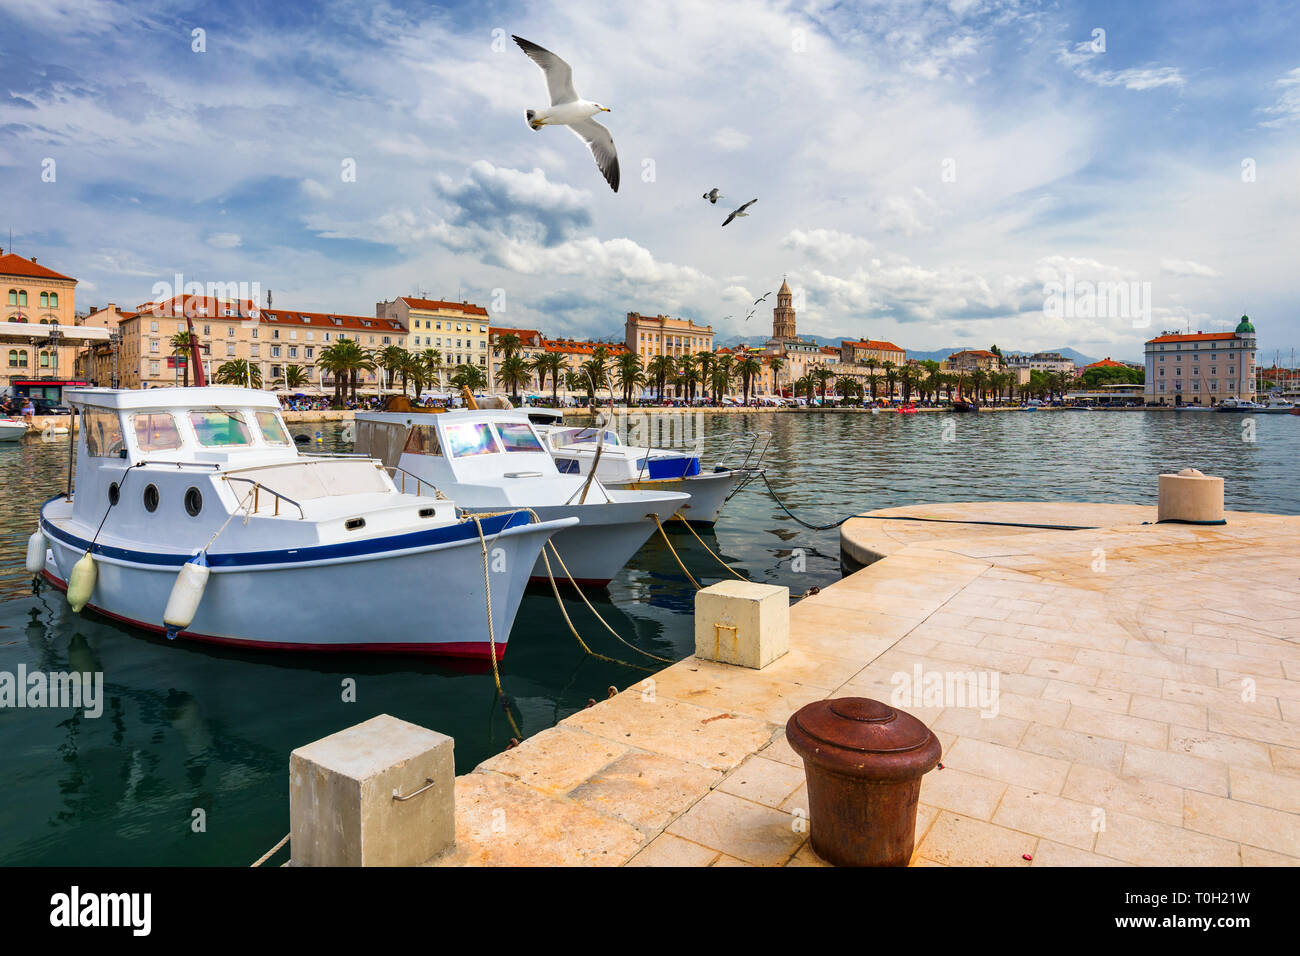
{"x": 459, "y": 330}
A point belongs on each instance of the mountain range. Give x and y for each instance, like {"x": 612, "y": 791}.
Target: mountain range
{"x": 937, "y": 355}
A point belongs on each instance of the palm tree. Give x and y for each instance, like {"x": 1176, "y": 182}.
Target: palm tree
{"x": 822, "y": 374}
{"x": 707, "y": 362}
{"x": 720, "y": 380}
{"x": 848, "y": 387}
{"x": 776, "y": 364}
{"x": 238, "y": 372}
{"x": 181, "y": 344}
{"x": 688, "y": 375}
{"x": 891, "y": 371}
{"x": 295, "y": 376}
{"x": 907, "y": 377}
{"x": 872, "y": 364}
{"x": 509, "y": 344}
{"x": 550, "y": 363}
{"x": 469, "y": 376}
{"x": 512, "y": 373}
{"x": 597, "y": 371}
{"x": 391, "y": 358}
{"x": 431, "y": 360}
{"x": 748, "y": 368}
{"x": 574, "y": 381}
{"x": 627, "y": 369}
{"x": 978, "y": 379}
{"x": 806, "y": 385}
{"x": 660, "y": 370}
{"x": 345, "y": 360}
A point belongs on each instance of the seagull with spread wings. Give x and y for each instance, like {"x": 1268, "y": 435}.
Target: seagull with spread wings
{"x": 713, "y": 195}
{"x": 739, "y": 212}
{"x": 761, "y": 298}
{"x": 568, "y": 109}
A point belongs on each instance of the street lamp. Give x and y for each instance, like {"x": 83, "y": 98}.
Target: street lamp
{"x": 115, "y": 342}
{"x": 54, "y": 337}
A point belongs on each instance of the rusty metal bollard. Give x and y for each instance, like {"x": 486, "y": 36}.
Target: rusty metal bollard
{"x": 864, "y": 761}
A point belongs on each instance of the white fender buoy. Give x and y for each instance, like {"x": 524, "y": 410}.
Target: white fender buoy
{"x": 37, "y": 545}
{"x": 81, "y": 582}
{"x": 186, "y": 594}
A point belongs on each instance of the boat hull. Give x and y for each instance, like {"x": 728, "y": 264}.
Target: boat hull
{"x": 12, "y": 430}
{"x": 708, "y": 493}
{"x": 424, "y": 599}
{"x": 605, "y": 538}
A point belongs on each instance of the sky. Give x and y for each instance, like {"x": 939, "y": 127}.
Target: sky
{"x": 934, "y": 174}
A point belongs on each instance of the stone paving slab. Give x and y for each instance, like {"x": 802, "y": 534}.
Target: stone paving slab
{"x": 1147, "y": 707}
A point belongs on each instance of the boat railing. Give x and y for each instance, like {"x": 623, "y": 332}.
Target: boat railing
{"x": 258, "y": 488}
{"x": 401, "y": 483}
{"x": 209, "y": 465}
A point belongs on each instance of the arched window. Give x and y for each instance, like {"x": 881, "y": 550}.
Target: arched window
{"x": 54, "y": 300}
{"x": 45, "y": 300}
{"x": 17, "y": 358}
{"x": 22, "y": 296}
{"x": 13, "y": 358}
{"x": 44, "y": 321}
{"x": 13, "y": 296}
{"x": 45, "y": 360}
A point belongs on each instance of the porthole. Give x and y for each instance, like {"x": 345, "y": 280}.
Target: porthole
{"x": 193, "y": 502}
{"x": 354, "y": 524}
{"x": 114, "y": 493}
{"x": 151, "y": 498}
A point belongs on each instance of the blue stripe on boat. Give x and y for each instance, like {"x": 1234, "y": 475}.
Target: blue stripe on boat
{"x": 348, "y": 549}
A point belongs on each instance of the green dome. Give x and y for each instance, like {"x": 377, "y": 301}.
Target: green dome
{"x": 1244, "y": 326}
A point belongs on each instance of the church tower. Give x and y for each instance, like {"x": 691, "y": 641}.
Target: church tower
{"x": 783, "y": 315}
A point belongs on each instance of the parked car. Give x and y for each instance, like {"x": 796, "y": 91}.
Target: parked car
{"x": 48, "y": 406}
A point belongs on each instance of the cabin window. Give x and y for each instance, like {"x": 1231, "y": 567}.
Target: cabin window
{"x": 272, "y": 429}
{"x": 467, "y": 440}
{"x": 422, "y": 440}
{"x": 103, "y": 433}
{"x": 155, "y": 431}
{"x": 218, "y": 428}
{"x": 517, "y": 436}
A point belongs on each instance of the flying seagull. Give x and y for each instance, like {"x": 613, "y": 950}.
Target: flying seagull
{"x": 751, "y": 311}
{"x": 740, "y": 211}
{"x": 567, "y": 109}
{"x": 764, "y": 296}
{"x": 713, "y": 195}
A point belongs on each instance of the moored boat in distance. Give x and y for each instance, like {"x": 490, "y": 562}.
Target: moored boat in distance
{"x": 642, "y": 468}
{"x": 1240, "y": 405}
{"x": 12, "y": 429}
{"x": 490, "y": 460}
{"x": 194, "y": 515}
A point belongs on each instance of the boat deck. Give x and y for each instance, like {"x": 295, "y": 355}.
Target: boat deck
{"x": 1148, "y": 709}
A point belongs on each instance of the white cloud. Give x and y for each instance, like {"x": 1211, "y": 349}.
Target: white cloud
{"x": 730, "y": 139}
{"x": 1286, "y": 110}
{"x": 225, "y": 240}
{"x": 1186, "y": 267}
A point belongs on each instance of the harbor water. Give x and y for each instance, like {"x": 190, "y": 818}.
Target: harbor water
{"x": 188, "y": 761}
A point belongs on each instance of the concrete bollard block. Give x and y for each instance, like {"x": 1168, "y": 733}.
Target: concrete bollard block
{"x": 343, "y": 796}
{"x": 1190, "y": 496}
{"x": 743, "y": 623}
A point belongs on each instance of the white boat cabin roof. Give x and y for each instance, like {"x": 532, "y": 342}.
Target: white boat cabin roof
{"x": 171, "y": 399}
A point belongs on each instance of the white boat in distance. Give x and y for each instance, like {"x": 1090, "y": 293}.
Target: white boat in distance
{"x": 303, "y": 552}
{"x": 636, "y": 467}
{"x": 490, "y": 460}
{"x": 12, "y": 429}
{"x": 1240, "y": 405}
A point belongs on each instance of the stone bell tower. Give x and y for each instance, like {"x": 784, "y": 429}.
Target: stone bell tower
{"x": 783, "y": 315}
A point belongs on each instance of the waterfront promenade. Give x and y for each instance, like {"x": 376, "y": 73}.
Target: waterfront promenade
{"x": 1148, "y": 710}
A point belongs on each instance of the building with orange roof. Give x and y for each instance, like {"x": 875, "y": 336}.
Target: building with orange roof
{"x": 857, "y": 353}
{"x": 530, "y": 346}
{"x": 1201, "y": 368}
{"x": 41, "y": 335}
{"x": 651, "y": 335}
{"x": 458, "y": 330}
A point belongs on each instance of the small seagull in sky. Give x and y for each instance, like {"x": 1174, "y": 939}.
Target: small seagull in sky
{"x": 740, "y": 211}
{"x": 713, "y": 195}
{"x": 751, "y": 311}
{"x": 568, "y": 109}
{"x": 764, "y": 296}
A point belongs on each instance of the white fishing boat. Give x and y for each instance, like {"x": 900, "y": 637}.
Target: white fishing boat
{"x": 194, "y": 515}
{"x": 632, "y": 467}
{"x": 1277, "y": 405}
{"x": 491, "y": 460}
{"x": 12, "y": 429}
{"x": 1239, "y": 405}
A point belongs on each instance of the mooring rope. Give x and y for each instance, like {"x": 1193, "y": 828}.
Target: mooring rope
{"x": 270, "y": 853}
{"x": 810, "y": 527}
{"x": 734, "y": 572}
{"x": 492, "y": 634}
{"x": 664, "y": 535}
{"x": 591, "y": 607}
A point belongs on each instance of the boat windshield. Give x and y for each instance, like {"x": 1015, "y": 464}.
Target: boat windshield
{"x": 155, "y": 431}
{"x": 220, "y": 428}
{"x": 472, "y": 438}
{"x": 273, "y": 429}
{"x": 581, "y": 436}
{"x": 516, "y": 436}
